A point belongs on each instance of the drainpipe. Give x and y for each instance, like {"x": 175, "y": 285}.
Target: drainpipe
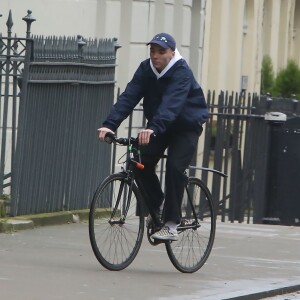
{"x": 202, "y": 32}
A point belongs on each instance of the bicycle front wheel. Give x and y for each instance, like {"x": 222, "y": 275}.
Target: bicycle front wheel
{"x": 116, "y": 222}
{"x": 195, "y": 236}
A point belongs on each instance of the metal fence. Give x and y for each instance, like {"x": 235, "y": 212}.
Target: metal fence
{"x": 66, "y": 88}
{"x": 54, "y": 92}
{"x": 232, "y": 135}
{"x": 12, "y": 57}
{"x": 237, "y": 142}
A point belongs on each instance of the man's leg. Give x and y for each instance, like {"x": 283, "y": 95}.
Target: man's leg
{"x": 147, "y": 178}
{"x": 182, "y": 146}
{"x": 181, "y": 150}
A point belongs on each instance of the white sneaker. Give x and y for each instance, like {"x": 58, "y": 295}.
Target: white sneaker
{"x": 165, "y": 234}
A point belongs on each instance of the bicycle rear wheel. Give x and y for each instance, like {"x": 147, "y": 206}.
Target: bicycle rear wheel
{"x": 195, "y": 241}
{"x": 116, "y": 222}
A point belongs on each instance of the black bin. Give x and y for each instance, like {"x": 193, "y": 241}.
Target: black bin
{"x": 283, "y": 174}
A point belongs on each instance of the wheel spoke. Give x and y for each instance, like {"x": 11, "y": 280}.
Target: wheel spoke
{"x": 193, "y": 247}
{"x": 115, "y": 241}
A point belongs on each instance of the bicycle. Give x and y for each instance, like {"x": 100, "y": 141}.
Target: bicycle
{"x": 117, "y": 218}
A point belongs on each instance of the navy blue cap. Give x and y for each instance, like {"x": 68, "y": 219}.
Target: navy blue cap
{"x": 164, "y": 40}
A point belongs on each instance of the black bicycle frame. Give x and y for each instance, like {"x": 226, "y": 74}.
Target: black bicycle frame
{"x": 196, "y": 223}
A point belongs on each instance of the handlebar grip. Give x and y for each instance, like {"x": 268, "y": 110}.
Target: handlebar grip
{"x": 109, "y": 137}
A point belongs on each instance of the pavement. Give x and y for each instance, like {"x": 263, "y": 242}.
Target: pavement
{"x": 248, "y": 261}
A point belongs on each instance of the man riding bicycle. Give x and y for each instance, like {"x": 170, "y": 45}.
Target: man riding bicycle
{"x": 175, "y": 109}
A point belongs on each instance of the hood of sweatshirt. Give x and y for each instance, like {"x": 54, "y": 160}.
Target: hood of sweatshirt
{"x": 176, "y": 57}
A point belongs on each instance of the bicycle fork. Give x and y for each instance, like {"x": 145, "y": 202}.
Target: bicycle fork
{"x": 126, "y": 204}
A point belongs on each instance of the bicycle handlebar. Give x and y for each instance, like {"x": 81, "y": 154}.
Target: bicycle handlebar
{"x": 112, "y": 138}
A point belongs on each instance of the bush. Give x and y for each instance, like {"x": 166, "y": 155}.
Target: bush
{"x": 287, "y": 82}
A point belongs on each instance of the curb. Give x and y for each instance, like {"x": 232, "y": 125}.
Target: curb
{"x": 11, "y": 225}
{"x": 268, "y": 293}
{"x": 8, "y": 225}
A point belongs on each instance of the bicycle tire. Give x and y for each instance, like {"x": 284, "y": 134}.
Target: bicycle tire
{"x": 116, "y": 245}
{"x": 193, "y": 247}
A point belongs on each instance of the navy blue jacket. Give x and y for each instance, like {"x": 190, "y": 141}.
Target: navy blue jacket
{"x": 174, "y": 101}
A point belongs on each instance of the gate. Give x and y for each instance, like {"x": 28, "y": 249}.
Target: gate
{"x": 66, "y": 89}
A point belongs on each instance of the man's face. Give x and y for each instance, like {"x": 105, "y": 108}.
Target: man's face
{"x": 160, "y": 56}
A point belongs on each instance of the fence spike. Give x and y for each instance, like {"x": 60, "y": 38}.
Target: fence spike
{"x": 9, "y": 23}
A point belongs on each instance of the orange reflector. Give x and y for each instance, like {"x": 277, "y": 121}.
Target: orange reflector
{"x": 139, "y": 166}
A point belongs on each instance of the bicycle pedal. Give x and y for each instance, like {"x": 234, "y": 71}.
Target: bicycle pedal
{"x": 158, "y": 242}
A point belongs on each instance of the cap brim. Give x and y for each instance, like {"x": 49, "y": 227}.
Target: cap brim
{"x": 161, "y": 44}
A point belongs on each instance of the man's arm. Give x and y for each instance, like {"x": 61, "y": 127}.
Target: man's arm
{"x": 126, "y": 101}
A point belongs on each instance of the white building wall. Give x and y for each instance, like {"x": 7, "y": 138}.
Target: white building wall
{"x": 54, "y": 17}
{"x": 251, "y": 44}
{"x": 222, "y": 40}
{"x": 295, "y": 37}
{"x": 274, "y": 32}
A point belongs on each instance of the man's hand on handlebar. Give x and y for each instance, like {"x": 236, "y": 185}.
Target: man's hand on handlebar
{"x": 144, "y": 136}
{"x": 102, "y": 132}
